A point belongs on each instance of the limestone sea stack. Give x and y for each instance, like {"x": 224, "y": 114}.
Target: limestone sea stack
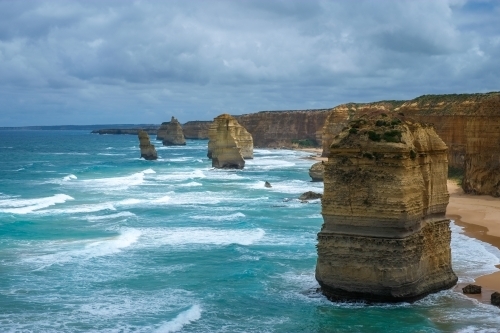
{"x": 316, "y": 172}
{"x": 148, "y": 151}
{"x": 173, "y": 135}
{"x": 385, "y": 236}
{"x": 162, "y": 131}
{"x": 229, "y": 143}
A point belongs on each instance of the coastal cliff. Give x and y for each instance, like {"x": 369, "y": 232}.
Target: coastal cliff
{"x": 469, "y": 124}
{"x": 171, "y": 133}
{"x": 285, "y": 128}
{"x": 148, "y": 151}
{"x": 229, "y": 143}
{"x": 385, "y": 236}
{"x": 196, "y": 129}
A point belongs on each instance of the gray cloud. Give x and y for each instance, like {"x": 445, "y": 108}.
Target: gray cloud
{"x": 143, "y": 61}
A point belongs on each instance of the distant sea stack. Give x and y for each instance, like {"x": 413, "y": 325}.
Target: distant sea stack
{"x": 229, "y": 143}
{"x": 467, "y": 123}
{"x": 148, "y": 151}
{"x": 174, "y": 135}
{"x": 385, "y": 236}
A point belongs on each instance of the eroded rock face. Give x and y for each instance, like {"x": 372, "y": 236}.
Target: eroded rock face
{"x": 162, "y": 131}
{"x": 173, "y": 134}
{"x": 197, "y": 130}
{"x": 148, "y": 151}
{"x": 385, "y": 236}
{"x": 316, "y": 172}
{"x": 468, "y": 123}
{"x": 229, "y": 143}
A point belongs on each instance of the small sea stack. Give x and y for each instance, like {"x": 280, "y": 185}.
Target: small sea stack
{"x": 316, "y": 172}
{"x": 385, "y": 237}
{"x": 174, "y": 135}
{"x": 148, "y": 151}
{"x": 229, "y": 143}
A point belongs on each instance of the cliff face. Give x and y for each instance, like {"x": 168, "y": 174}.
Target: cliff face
{"x": 385, "y": 236}
{"x": 229, "y": 143}
{"x": 148, "y": 151}
{"x": 469, "y": 124}
{"x": 162, "y": 131}
{"x": 283, "y": 128}
{"x": 242, "y": 137}
{"x": 196, "y": 129}
{"x": 173, "y": 134}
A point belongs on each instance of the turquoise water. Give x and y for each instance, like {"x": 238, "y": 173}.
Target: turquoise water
{"x": 94, "y": 239}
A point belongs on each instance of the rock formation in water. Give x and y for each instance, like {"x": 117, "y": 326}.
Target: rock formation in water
{"x": 471, "y": 289}
{"x": 162, "y": 131}
{"x": 468, "y": 124}
{"x": 310, "y": 195}
{"x": 197, "y": 130}
{"x": 277, "y": 129}
{"x": 227, "y": 123}
{"x": 385, "y": 236}
{"x": 229, "y": 143}
{"x": 267, "y": 184}
{"x": 148, "y": 151}
{"x": 316, "y": 172}
{"x": 171, "y": 133}
{"x": 495, "y": 298}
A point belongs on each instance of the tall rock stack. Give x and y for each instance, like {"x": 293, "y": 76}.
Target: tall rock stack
{"x": 385, "y": 236}
{"x": 148, "y": 151}
{"x": 229, "y": 143}
{"x": 162, "y": 131}
{"x": 173, "y": 134}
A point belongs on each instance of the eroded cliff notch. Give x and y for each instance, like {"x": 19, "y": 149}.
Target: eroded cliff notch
{"x": 385, "y": 236}
{"x": 229, "y": 143}
{"x": 148, "y": 151}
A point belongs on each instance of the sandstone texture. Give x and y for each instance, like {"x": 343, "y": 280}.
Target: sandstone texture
{"x": 469, "y": 124}
{"x": 171, "y": 133}
{"x": 227, "y": 123}
{"x": 316, "y": 172}
{"x": 229, "y": 143}
{"x": 148, "y": 151}
{"x": 288, "y": 129}
{"x": 197, "y": 130}
{"x": 385, "y": 236}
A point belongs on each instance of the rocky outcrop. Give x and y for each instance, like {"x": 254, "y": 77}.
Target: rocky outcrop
{"x": 310, "y": 195}
{"x": 316, "y": 172}
{"x": 229, "y": 143}
{"x": 285, "y": 128}
{"x": 197, "y": 130}
{"x": 227, "y": 123}
{"x": 385, "y": 236}
{"x": 162, "y": 131}
{"x": 148, "y": 151}
{"x": 171, "y": 133}
{"x": 267, "y": 184}
{"x": 468, "y": 123}
{"x": 471, "y": 289}
{"x": 495, "y": 298}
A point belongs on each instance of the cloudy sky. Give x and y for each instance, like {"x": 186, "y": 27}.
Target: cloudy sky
{"x": 98, "y": 62}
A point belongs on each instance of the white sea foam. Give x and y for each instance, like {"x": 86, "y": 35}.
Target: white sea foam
{"x": 85, "y": 208}
{"x": 191, "y": 184}
{"x": 129, "y": 202}
{"x": 182, "y": 319}
{"x": 471, "y": 257}
{"x": 180, "y": 176}
{"x": 85, "y": 250}
{"x": 269, "y": 163}
{"x": 110, "y": 154}
{"x": 93, "y": 218}
{"x": 69, "y": 177}
{"x": 202, "y": 236}
{"x": 288, "y": 187}
{"x": 231, "y": 217}
{"x": 116, "y": 183}
{"x": 148, "y": 171}
{"x": 25, "y": 206}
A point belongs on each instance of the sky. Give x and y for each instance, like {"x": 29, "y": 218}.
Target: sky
{"x": 104, "y": 62}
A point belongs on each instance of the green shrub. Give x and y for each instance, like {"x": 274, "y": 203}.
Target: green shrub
{"x": 456, "y": 174}
{"x": 374, "y": 136}
{"x": 353, "y": 130}
{"x": 413, "y": 154}
{"x": 305, "y": 143}
{"x": 368, "y": 155}
{"x": 392, "y": 136}
{"x": 380, "y": 123}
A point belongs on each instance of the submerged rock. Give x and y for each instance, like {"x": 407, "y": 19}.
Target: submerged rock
{"x": 385, "y": 236}
{"x": 148, "y": 151}
{"x": 174, "y": 135}
{"x": 267, "y": 184}
{"x": 310, "y": 195}
{"x": 495, "y": 298}
{"x": 471, "y": 289}
{"x": 229, "y": 143}
{"x": 316, "y": 172}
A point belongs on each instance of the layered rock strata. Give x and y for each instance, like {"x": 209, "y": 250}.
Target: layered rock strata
{"x": 469, "y": 124}
{"x": 229, "y": 143}
{"x": 278, "y": 129}
{"x": 171, "y": 133}
{"x": 197, "y": 130}
{"x": 316, "y": 172}
{"x": 227, "y": 123}
{"x": 148, "y": 151}
{"x": 385, "y": 236}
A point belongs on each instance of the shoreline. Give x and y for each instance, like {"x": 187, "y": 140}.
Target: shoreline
{"x": 479, "y": 216}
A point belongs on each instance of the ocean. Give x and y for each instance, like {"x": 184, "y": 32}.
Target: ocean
{"x": 95, "y": 239}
